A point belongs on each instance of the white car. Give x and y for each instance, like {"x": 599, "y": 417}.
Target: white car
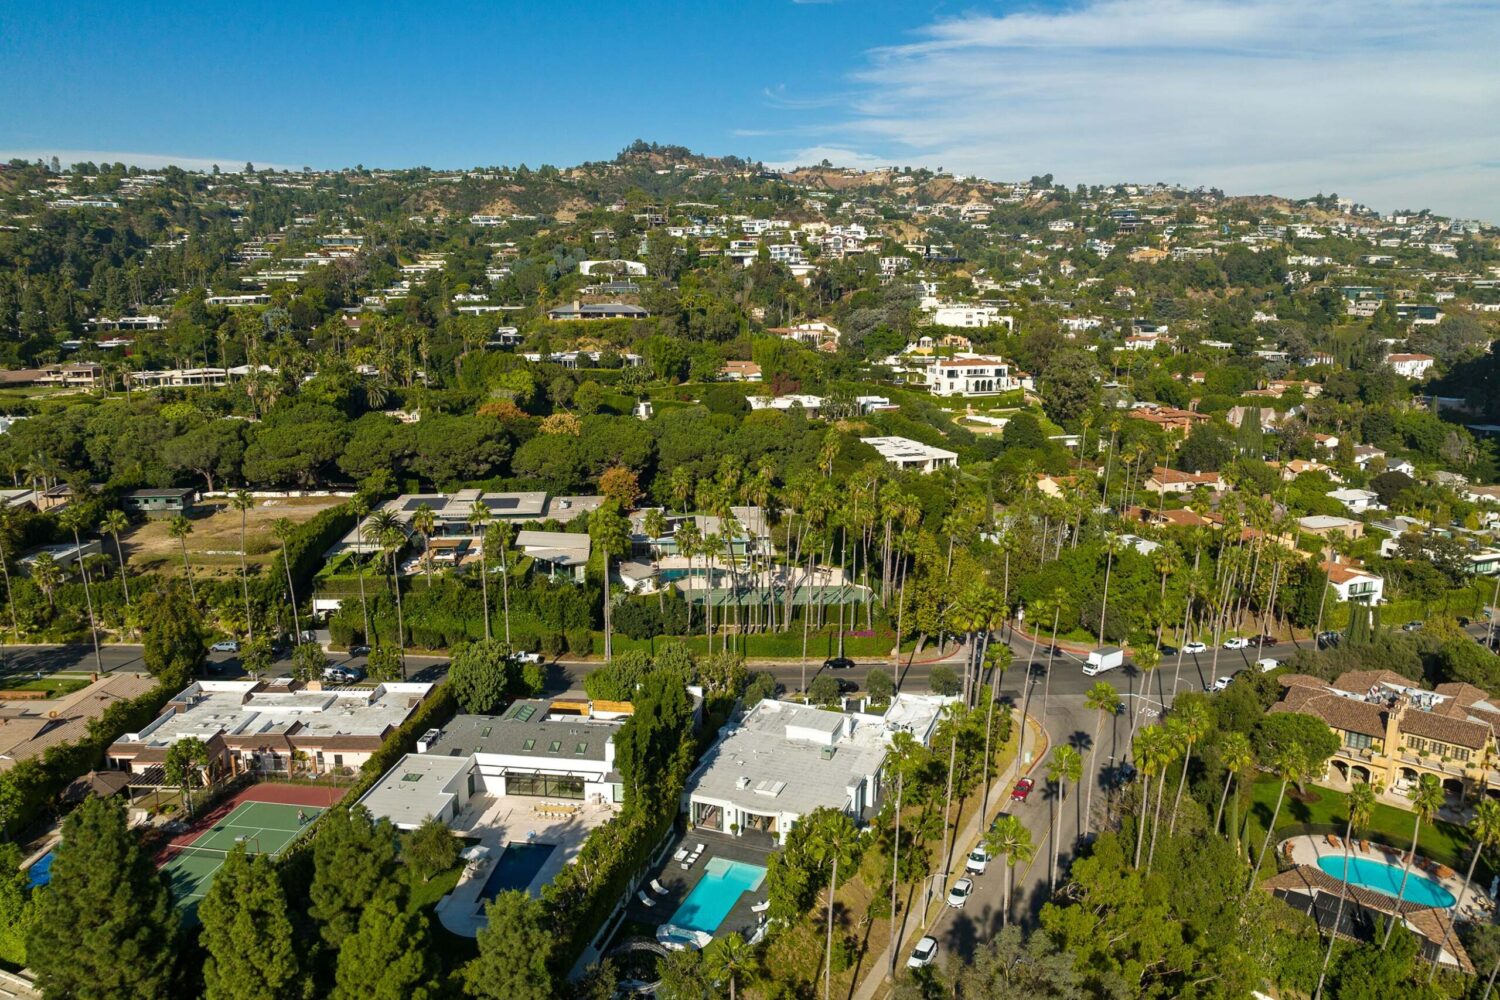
{"x": 1194, "y": 647}
{"x": 226, "y": 646}
{"x": 1222, "y": 682}
{"x": 924, "y": 954}
{"x": 1267, "y": 664}
{"x": 977, "y": 861}
{"x": 959, "y": 894}
{"x": 1238, "y": 642}
{"x": 527, "y": 657}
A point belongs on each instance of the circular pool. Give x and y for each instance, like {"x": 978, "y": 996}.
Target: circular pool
{"x": 1386, "y": 879}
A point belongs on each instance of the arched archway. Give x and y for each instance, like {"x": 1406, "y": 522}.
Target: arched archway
{"x": 1338, "y": 771}
{"x": 1358, "y": 772}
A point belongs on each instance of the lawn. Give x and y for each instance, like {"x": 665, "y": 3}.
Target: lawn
{"x": 1444, "y": 842}
{"x": 54, "y": 686}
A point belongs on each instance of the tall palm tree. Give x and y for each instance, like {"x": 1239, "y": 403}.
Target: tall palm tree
{"x": 726, "y": 958}
{"x": 479, "y": 517}
{"x": 1426, "y": 799}
{"x": 1361, "y": 805}
{"x": 834, "y": 845}
{"x": 179, "y": 529}
{"x": 72, "y": 519}
{"x": 242, "y": 501}
{"x": 1104, "y": 700}
{"x": 654, "y": 524}
{"x": 1111, "y": 546}
{"x": 610, "y": 533}
{"x": 115, "y": 522}
{"x": 283, "y": 529}
{"x": 46, "y": 574}
{"x": 1065, "y": 766}
{"x": 1484, "y": 830}
{"x": 1150, "y": 747}
{"x": 391, "y": 538}
{"x": 680, "y": 486}
{"x": 906, "y": 754}
{"x": 424, "y": 523}
{"x": 1237, "y": 756}
{"x": 1009, "y": 839}
{"x": 1196, "y": 722}
{"x": 497, "y": 538}
{"x": 360, "y": 508}
{"x": 1288, "y": 768}
{"x": 7, "y": 526}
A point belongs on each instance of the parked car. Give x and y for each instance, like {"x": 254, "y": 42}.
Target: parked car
{"x": 838, "y": 663}
{"x": 360, "y": 651}
{"x": 343, "y": 674}
{"x": 1265, "y": 641}
{"x": 846, "y": 686}
{"x": 959, "y": 894}
{"x": 977, "y": 861}
{"x": 1167, "y": 650}
{"x": 1022, "y": 791}
{"x": 1222, "y": 682}
{"x": 1121, "y": 775}
{"x": 1195, "y": 647}
{"x": 924, "y": 954}
{"x": 226, "y": 646}
{"x": 527, "y": 657}
{"x": 1412, "y": 627}
{"x": 1238, "y": 642}
{"x": 1327, "y": 640}
{"x": 1267, "y": 664}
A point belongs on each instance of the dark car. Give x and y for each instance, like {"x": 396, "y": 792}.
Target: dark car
{"x": 1168, "y": 650}
{"x": 1022, "y": 791}
{"x": 1328, "y": 639}
{"x": 838, "y": 663}
{"x": 1464, "y": 621}
{"x": 846, "y": 686}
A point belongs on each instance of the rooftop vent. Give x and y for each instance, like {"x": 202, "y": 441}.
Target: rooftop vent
{"x": 428, "y": 739}
{"x": 742, "y": 782}
{"x": 828, "y": 752}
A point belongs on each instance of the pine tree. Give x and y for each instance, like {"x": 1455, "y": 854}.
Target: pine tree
{"x": 514, "y": 951}
{"x": 247, "y": 933}
{"x": 430, "y": 849}
{"x": 105, "y": 927}
{"x": 354, "y": 859}
{"x": 387, "y": 958}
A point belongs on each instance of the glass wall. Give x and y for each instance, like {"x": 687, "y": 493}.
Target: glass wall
{"x": 554, "y": 786}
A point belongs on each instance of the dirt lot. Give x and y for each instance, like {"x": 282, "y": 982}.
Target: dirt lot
{"x": 214, "y": 545}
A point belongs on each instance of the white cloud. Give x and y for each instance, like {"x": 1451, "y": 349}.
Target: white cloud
{"x": 146, "y": 161}
{"x": 1392, "y": 103}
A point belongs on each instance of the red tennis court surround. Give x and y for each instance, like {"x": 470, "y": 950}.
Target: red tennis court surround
{"x": 321, "y": 796}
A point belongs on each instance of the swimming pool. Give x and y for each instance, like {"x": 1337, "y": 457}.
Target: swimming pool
{"x": 41, "y": 870}
{"x": 517, "y": 865}
{"x": 723, "y": 883}
{"x": 1386, "y": 879}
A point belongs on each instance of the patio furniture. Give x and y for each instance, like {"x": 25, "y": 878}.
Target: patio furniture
{"x": 681, "y": 855}
{"x": 761, "y": 907}
{"x": 658, "y": 888}
{"x": 699, "y": 848}
{"x": 645, "y": 899}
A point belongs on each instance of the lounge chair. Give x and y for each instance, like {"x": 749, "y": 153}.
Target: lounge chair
{"x": 645, "y": 899}
{"x": 681, "y": 855}
{"x": 698, "y": 848}
{"x": 761, "y": 907}
{"x": 658, "y": 888}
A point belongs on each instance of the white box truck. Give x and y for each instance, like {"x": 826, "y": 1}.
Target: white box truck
{"x": 1102, "y": 659}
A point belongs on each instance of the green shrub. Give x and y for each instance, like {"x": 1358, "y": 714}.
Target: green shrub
{"x": 580, "y": 641}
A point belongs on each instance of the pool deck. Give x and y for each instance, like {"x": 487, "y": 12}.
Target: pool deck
{"x": 679, "y": 884}
{"x": 1308, "y": 848}
{"x": 495, "y": 820}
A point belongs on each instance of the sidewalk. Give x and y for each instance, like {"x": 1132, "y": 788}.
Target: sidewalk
{"x": 1037, "y": 741}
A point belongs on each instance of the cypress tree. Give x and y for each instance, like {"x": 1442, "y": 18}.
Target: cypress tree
{"x": 514, "y": 952}
{"x": 247, "y": 933}
{"x": 354, "y": 862}
{"x": 105, "y": 925}
{"x": 387, "y": 958}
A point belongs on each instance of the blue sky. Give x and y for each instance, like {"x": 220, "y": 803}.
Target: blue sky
{"x": 1391, "y": 102}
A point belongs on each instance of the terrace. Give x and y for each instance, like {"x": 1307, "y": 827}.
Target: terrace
{"x": 680, "y": 882}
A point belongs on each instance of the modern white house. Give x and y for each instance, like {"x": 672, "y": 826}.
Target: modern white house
{"x": 904, "y": 453}
{"x": 1410, "y": 365}
{"x": 1356, "y": 500}
{"x": 1353, "y": 583}
{"x": 970, "y": 375}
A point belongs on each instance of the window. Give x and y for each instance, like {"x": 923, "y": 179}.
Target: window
{"x": 411, "y": 777}
{"x": 1461, "y": 753}
{"x": 528, "y": 745}
{"x": 581, "y": 749}
{"x": 1358, "y": 741}
{"x": 554, "y": 746}
{"x": 1416, "y": 743}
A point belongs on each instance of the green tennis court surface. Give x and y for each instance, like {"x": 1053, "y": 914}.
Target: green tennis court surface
{"x": 263, "y": 827}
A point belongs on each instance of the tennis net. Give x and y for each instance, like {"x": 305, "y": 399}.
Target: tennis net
{"x": 189, "y": 851}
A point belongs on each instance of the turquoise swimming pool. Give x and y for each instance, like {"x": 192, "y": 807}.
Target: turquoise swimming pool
{"x": 1386, "y": 879}
{"x": 723, "y": 883}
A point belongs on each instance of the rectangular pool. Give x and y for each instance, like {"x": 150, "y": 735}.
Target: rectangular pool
{"x": 517, "y": 865}
{"x": 723, "y": 883}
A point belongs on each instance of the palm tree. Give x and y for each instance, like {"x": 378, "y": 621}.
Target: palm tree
{"x": 179, "y": 529}
{"x": 242, "y": 501}
{"x": 1102, "y": 698}
{"x": 1426, "y": 799}
{"x": 726, "y": 958}
{"x": 46, "y": 574}
{"x": 72, "y": 519}
{"x": 497, "y": 539}
{"x": 391, "y": 538}
{"x": 283, "y": 528}
{"x": 1009, "y": 839}
{"x": 361, "y": 510}
{"x": 1150, "y": 747}
{"x": 479, "y": 517}
{"x": 834, "y": 845}
{"x": 1288, "y": 768}
{"x": 1361, "y": 805}
{"x": 1111, "y": 546}
{"x": 424, "y": 523}
{"x": 1238, "y": 758}
{"x": 115, "y": 522}
{"x": 680, "y": 486}
{"x": 1065, "y": 766}
{"x": 610, "y": 532}
{"x": 1484, "y": 829}
{"x": 7, "y": 525}
{"x": 1197, "y": 722}
{"x": 906, "y": 754}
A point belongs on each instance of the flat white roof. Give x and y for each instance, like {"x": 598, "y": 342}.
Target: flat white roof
{"x": 896, "y": 449}
{"x": 419, "y": 786}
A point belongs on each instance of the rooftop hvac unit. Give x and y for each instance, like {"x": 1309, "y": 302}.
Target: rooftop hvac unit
{"x": 428, "y": 739}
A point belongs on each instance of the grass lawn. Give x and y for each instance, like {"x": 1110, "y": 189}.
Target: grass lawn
{"x": 54, "y": 686}
{"x": 1444, "y": 842}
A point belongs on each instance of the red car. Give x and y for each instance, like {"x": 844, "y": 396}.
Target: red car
{"x": 1022, "y": 790}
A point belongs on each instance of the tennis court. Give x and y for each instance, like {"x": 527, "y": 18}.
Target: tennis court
{"x": 263, "y": 827}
